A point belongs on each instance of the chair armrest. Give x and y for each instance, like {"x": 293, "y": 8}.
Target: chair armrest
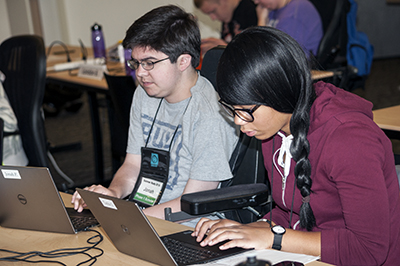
{"x": 228, "y": 198}
{"x": 178, "y": 217}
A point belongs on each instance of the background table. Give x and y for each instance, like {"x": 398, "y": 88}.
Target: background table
{"x": 389, "y": 120}
{"x": 92, "y": 87}
{"x": 321, "y": 74}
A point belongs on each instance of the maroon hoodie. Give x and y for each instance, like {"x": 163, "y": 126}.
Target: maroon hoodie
{"x": 356, "y": 198}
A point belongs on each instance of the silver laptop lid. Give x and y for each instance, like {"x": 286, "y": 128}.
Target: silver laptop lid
{"x": 30, "y": 200}
{"x": 128, "y": 228}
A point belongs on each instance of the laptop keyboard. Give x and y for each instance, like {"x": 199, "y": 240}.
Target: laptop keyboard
{"x": 184, "y": 253}
{"x": 82, "y": 220}
{"x": 81, "y": 223}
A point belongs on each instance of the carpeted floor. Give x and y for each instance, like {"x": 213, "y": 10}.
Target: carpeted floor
{"x": 382, "y": 88}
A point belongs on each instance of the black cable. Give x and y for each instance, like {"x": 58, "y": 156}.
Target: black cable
{"x": 83, "y": 50}
{"x": 63, "y": 45}
{"x": 50, "y": 255}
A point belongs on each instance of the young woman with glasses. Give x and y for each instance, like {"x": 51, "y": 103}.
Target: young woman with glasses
{"x": 331, "y": 168}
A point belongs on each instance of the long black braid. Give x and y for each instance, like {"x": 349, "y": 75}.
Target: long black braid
{"x": 300, "y": 150}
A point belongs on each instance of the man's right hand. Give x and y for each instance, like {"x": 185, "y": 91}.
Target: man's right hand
{"x": 78, "y": 202}
{"x": 262, "y": 15}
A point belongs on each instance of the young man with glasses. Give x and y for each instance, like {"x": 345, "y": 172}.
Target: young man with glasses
{"x": 179, "y": 139}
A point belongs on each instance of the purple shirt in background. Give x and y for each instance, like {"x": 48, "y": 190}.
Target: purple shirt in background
{"x": 301, "y": 20}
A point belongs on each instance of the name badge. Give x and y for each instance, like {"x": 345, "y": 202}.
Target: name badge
{"x": 148, "y": 191}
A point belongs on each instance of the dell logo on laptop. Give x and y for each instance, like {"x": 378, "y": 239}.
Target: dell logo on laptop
{"x": 125, "y": 229}
{"x": 22, "y": 199}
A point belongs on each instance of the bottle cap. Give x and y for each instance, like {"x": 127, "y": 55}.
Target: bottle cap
{"x": 96, "y": 27}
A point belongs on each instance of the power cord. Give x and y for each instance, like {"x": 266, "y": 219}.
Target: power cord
{"x": 83, "y": 50}
{"x": 84, "y": 53}
{"x": 50, "y": 256}
{"x": 63, "y": 45}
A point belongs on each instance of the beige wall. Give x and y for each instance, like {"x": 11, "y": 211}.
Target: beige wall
{"x": 17, "y": 18}
{"x": 381, "y": 22}
{"x": 70, "y": 20}
{"x": 5, "y": 30}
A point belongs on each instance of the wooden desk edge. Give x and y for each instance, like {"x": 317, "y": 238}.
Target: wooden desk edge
{"x": 321, "y": 74}
{"x": 388, "y": 118}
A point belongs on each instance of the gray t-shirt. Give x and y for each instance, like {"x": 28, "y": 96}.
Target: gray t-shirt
{"x": 203, "y": 143}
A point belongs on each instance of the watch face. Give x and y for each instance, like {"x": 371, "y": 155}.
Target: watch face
{"x": 279, "y": 229}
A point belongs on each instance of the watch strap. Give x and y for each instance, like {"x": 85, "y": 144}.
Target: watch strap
{"x": 277, "y": 242}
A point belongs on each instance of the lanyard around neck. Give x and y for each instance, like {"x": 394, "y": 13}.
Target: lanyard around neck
{"x": 176, "y": 129}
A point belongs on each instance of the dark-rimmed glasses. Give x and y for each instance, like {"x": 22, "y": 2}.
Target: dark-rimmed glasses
{"x": 243, "y": 113}
{"x": 146, "y": 64}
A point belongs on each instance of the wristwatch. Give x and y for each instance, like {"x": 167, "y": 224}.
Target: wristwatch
{"x": 278, "y": 231}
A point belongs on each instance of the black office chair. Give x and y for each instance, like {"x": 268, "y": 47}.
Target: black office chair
{"x": 121, "y": 90}
{"x": 244, "y": 197}
{"x": 332, "y": 51}
{"x": 23, "y": 61}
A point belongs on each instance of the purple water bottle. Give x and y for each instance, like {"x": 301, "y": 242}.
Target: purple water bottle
{"x": 128, "y": 70}
{"x": 99, "y": 49}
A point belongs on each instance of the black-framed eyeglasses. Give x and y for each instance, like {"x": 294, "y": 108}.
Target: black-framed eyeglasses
{"x": 146, "y": 64}
{"x": 243, "y": 113}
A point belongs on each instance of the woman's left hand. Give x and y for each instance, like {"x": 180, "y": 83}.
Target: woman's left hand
{"x": 255, "y": 235}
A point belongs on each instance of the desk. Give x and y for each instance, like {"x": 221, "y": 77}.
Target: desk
{"x": 389, "y": 120}
{"x": 92, "y": 87}
{"x": 24, "y": 240}
{"x": 321, "y": 74}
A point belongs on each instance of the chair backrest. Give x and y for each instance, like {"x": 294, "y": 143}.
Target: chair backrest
{"x": 334, "y": 41}
{"x": 210, "y": 64}
{"x": 121, "y": 89}
{"x": 247, "y": 161}
{"x": 23, "y": 61}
